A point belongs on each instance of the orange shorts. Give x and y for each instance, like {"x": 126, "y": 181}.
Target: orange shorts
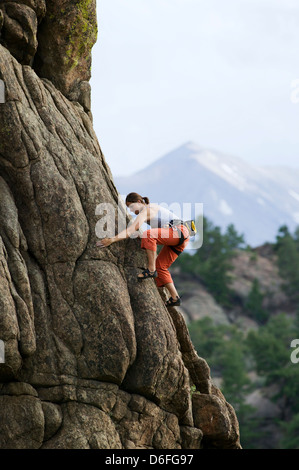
{"x": 167, "y": 237}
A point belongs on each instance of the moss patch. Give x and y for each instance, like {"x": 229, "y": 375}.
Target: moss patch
{"x": 83, "y": 33}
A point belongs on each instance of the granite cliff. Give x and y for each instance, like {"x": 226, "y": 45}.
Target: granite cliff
{"x": 92, "y": 358}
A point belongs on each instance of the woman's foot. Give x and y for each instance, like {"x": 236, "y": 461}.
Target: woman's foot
{"x": 173, "y": 302}
{"x": 146, "y": 274}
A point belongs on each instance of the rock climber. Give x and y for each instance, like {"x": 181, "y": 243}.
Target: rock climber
{"x": 166, "y": 229}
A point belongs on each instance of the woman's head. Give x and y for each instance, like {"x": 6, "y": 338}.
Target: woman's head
{"x": 135, "y": 202}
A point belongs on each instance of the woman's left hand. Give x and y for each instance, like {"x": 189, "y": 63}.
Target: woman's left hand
{"x": 104, "y": 243}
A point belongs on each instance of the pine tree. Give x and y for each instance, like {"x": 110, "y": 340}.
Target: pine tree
{"x": 288, "y": 261}
{"x": 254, "y": 303}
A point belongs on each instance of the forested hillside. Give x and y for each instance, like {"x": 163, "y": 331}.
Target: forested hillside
{"x": 242, "y": 309}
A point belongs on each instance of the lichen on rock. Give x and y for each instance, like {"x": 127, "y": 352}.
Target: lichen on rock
{"x": 65, "y": 40}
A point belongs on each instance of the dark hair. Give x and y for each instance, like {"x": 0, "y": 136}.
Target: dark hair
{"x": 135, "y": 197}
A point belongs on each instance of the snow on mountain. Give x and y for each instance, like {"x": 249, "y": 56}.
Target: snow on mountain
{"x": 257, "y": 200}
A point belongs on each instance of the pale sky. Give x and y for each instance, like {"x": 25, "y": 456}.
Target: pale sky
{"x": 221, "y": 73}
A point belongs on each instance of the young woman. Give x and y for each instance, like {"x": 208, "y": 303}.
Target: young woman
{"x": 174, "y": 238}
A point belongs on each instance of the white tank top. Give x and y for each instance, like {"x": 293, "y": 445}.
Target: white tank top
{"x": 162, "y": 217}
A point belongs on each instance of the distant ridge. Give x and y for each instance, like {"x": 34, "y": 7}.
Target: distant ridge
{"x": 257, "y": 200}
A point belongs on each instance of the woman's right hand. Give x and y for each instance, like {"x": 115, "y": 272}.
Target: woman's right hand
{"x": 104, "y": 242}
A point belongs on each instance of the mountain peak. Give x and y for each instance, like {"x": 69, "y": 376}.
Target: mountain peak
{"x": 190, "y": 145}
{"x": 256, "y": 201}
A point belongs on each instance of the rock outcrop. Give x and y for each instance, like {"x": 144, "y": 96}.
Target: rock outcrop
{"x": 246, "y": 267}
{"x": 93, "y": 359}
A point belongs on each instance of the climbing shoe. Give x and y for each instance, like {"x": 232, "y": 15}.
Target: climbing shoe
{"x": 146, "y": 274}
{"x": 173, "y": 302}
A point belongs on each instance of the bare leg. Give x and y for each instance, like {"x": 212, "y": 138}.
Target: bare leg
{"x": 151, "y": 258}
{"x": 172, "y": 290}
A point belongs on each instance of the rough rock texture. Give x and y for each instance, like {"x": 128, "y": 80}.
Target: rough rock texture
{"x": 19, "y": 25}
{"x": 65, "y": 39}
{"x": 93, "y": 359}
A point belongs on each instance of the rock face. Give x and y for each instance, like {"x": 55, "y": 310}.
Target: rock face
{"x": 19, "y": 25}
{"x": 93, "y": 359}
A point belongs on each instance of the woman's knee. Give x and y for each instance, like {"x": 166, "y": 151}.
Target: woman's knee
{"x": 147, "y": 242}
{"x": 164, "y": 276}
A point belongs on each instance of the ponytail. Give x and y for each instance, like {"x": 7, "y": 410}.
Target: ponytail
{"x": 135, "y": 197}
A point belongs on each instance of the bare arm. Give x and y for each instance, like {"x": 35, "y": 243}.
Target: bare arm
{"x": 142, "y": 217}
{"x": 137, "y": 223}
